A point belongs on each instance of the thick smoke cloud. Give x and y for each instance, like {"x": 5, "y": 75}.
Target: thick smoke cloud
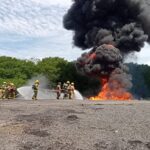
{"x": 100, "y": 61}
{"x": 112, "y": 29}
{"x": 123, "y": 23}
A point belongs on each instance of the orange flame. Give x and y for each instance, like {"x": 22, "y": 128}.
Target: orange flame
{"x": 115, "y": 93}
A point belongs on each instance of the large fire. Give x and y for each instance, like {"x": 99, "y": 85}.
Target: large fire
{"x": 112, "y": 91}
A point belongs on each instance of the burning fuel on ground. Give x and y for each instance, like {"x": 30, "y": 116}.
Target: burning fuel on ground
{"x": 111, "y": 29}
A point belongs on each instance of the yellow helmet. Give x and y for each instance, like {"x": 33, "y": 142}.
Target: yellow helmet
{"x": 36, "y": 81}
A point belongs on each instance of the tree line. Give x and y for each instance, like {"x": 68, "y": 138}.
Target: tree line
{"x": 60, "y": 70}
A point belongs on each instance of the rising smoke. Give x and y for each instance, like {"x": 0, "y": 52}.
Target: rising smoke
{"x": 44, "y": 82}
{"x": 123, "y": 23}
{"x": 112, "y": 29}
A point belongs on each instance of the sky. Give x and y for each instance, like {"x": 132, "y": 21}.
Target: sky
{"x": 33, "y": 29}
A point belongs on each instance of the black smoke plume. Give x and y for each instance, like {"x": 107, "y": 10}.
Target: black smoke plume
{"x": 113, "y": 29}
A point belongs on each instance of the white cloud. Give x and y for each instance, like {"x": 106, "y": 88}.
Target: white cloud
{"x": 142, "y": 57}
{"x": 37, "y": 53}
{"x": 53, "y": 2}
{"x": 33, "y": 28}
{"x": 30, "y": 18}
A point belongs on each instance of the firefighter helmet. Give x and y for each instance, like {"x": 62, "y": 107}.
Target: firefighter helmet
{"x": 36, "y": 81}
{"x": 68, "y": 82}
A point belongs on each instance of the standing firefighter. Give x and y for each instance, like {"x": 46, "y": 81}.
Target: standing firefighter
{"x": 7, "y": 90}
{"x": 35, "y": 89}
{"x": 58, "y": 90}
{"x": 71, "y": 89}
{"x": 12, "y": 91}
{"x": 1, "y": 92}
{"x": 65, "y": 89}
{"x": 4, "y": 90}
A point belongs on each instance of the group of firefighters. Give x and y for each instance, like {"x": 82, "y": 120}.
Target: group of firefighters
{"x": 7, "y": 91}
{"x": 67, "y": 89}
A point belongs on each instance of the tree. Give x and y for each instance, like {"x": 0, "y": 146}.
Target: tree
{"x": 16, "y": 70}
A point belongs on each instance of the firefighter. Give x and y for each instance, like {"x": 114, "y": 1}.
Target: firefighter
{"x": 71, "y": 89}
{"x": 35, "y": 89}
{"x": 12, "y": 91}
{"x": 4, "y": 90}
{"x": 58, "y": 90}
{"x": 65, "y": 89}
{"x": 7, "y": 90}
{"x": 1, "y": 93}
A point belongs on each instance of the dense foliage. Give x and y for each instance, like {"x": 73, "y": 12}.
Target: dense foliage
{"x": 141, "y": 80}
{"x": 15, "y": 70}
{"x": 60, "y": 70}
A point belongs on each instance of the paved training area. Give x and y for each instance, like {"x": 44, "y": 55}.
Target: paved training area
{"x": 74, "y": 125}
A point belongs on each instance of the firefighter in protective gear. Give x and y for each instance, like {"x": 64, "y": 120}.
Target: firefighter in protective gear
{"x": 35, "y": 89}
{"x": 71, "y": 89}
{"x": 1, "y": 93}
{"x": 65, "y": 90}
{"x": 12, "y": 91}
{"x": 58, "y": 90}
{"x": 68, "y": 85}
{"x": 7, "y": 90}
{"x": 4, "y": 90}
